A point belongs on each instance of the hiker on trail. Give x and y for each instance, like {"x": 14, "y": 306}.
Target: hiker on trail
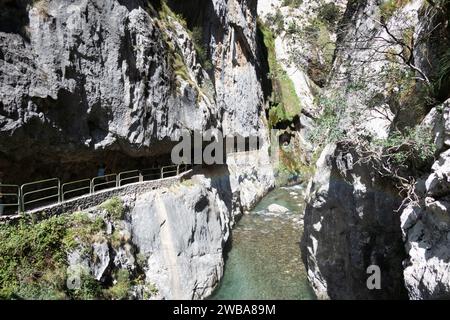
{"x": 102, "y": 182}
{"x": 101, "y": 170}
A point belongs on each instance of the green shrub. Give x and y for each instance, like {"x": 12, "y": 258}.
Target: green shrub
{"x": 120, "y": 290}
{"x": 411, "y": 147}
{"x": 327, "y": 127}
{"x": 197, "y": 39}
{"x": 292, "y": 28}
{"x": 29, "y": 253}
{"x": 285, "y": 103}
{"x": 389, "y": 7}
{"x": 166, "y": 13}
{"x": 33, "y": 257}
{"x": 292, "y": 3}
{"x": 276, "y": 21}
{"x": 90, "y": 289}
{"x": 114, "y": 207}
{"x": 317, "y": 34}
{"x": 329, "y": 13}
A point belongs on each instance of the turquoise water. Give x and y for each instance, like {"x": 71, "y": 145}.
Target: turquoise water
{"x": 264, "y": 261}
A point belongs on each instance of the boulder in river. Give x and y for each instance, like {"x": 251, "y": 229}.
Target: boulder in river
{"x": 276, "y": 208}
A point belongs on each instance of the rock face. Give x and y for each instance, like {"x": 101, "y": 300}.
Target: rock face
{"x": 182, "y": 234}
{"x": 170, "y": 240}
{"x": 426, "y": 224}
{"x": 351, "y": 218}
{"x": 350, "y": 224}
{"x": 118, "y": 81}
{"x": 297, "y": 55}
{"x": 251, "y": 176}
{"x": 103, "y": 80}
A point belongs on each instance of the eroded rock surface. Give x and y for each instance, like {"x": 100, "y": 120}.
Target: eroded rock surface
{"x": 350, "y": 224}
{"x": 92, "y": 81}
{"x": 426, "y": 224}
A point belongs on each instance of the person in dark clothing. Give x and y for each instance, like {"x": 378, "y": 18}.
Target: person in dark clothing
{"x": 101, "y": 170}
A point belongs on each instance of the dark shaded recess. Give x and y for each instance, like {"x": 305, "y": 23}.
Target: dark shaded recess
{"x": 194, "y": 11}
{"x": 263, "y": 68}
{"x": 373, "y": 239}
{"x": 14, "y": 16}
{"x": 293, "y": 124}
{"x": 73, "y": 165}
{"x": 285, "y": 138}
{"x": 439, "y": 45}
{"x": 317, "y": 72}
{"x": 132, "y": 4}
{"x": 202, "y": 204}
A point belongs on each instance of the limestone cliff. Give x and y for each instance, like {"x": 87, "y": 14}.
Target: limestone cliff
{"x": 425, "y": 223}
{"x": 90, "y": 81}
{"x": 85, "y": 82}
{"x": 376, "y": 156}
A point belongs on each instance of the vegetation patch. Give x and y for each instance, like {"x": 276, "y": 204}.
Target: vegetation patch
{"x": 292, "y": 3}
{"x": 34, "y": 258}
{"x": 389, "y": 7}
{"x": 196, "y": 34}
{"x": 443, "y": 77}
{"x": 114, "y": 207}
{"x": 330, "y": 14}
{"x": 121, "y": 288}
{"x": 284, "y": 103}
{"x": 275, "y": 21}
{"x": 176, "y": 58}
{"x": 327, "y": 127}
{"x": 411, "y": 148}
{"x": 318, "y": 35}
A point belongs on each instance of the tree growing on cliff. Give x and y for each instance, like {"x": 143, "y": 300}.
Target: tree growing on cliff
{"x": 395, "y": 41}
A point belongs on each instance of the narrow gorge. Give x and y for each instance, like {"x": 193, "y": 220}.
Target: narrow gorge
{"x": 332, "y": 119}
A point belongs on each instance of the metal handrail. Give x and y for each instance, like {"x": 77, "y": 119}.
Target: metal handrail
{"x": 17, "y": 195}
{"x": 40, "y": 199}
{"x": 185, "y": 167}
{"x": 24, "y": 194}
{"x": 63, "y": 193}
{"x": 137, "y": 176}
{"x": 94, "y": 185}
{"x": 155, "y": 172}
{"x": 40, "y": 190}
{"x": 176, "y": 170}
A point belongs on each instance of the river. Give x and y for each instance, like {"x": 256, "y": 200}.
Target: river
{"x": 264, "y": 261}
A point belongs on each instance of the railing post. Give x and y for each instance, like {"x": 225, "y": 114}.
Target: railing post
{"x": 22, "y": 205}
{"x": 59, "y": 191}
{"x": 18, "y": 199}
{"x": 141, "y": 177}
{"x": 162, "y": 172}
{"x": 178, "y": 170}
